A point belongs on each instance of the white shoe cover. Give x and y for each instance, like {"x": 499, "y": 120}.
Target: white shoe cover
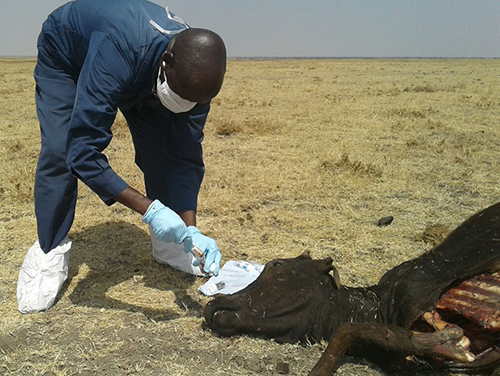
{"x": 172, "y": 254}
{"x": 42, "y": 276}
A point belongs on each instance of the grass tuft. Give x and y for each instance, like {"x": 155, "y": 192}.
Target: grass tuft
{"x": 346, "y": 165}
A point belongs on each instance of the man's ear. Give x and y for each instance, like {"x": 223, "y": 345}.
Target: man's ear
{"x": 166, "y": 59}
{"x": 168, "y": 56}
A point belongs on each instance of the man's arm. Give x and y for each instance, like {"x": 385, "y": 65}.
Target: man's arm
{"x": 134, "y": 200}
{"x": 105, "y": 74}
{"x": 139, "y": 203}
{"x": 189, "y": 217}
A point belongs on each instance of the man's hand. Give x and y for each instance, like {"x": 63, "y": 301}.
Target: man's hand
{"x": 206, "y": 245}
{"x": 172, "y": 228}
{"x": 167, "y": 224}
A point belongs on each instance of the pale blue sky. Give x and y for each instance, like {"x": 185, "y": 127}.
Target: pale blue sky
{"x": 319, "y": 28}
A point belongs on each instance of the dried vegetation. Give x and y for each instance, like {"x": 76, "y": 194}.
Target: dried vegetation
{"x": 300, "y": 155}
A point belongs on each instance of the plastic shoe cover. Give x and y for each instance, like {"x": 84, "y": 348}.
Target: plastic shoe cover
{"x": 173, "y": 255}
{"x": 42, "y": 276}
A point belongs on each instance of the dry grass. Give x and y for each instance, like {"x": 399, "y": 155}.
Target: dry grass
{"x": 300, "y": 155}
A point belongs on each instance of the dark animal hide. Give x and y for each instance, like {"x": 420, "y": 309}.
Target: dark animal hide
{"x": 442, "y": 308}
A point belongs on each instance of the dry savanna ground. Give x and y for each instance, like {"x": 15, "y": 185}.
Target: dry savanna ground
{"x": 300, "y": 155}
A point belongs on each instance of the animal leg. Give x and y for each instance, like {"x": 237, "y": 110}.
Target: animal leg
{"x": 442, "y": 344}
{"x": 434, "y": 319}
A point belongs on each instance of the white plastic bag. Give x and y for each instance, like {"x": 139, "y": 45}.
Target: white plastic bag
{"x": 41, "y": 277}
{"x": 172, "y": 254}
{"x": 234, "y": 276}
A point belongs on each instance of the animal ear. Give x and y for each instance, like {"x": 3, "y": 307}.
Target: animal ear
{"x": 336, "y": 277}
{"x": 324, "y": 266}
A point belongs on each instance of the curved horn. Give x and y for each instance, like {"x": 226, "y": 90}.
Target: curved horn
{"x": 306, "y": 255}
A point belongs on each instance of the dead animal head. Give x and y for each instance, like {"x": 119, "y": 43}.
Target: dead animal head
{"x": 283, "y": 303}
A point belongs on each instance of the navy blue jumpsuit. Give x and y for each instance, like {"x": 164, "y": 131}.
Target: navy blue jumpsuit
{"x": 95, "y": 57}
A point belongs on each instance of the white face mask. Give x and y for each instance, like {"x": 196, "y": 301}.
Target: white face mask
{"x": 169, "y": 99}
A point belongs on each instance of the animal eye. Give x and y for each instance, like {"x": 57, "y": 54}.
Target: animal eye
{"x": 278, "y": 263}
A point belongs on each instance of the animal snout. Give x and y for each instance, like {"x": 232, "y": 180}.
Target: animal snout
{"x": 221, "y": 315}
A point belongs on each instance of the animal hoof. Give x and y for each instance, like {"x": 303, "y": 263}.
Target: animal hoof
{"x": 444, "y": 344}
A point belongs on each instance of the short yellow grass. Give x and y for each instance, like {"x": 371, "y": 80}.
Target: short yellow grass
{"x": 300, "y": 154}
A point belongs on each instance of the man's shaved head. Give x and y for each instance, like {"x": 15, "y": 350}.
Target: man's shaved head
{"x": 195, "y": 64}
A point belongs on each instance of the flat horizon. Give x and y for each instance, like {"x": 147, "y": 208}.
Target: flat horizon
{"x": 316, "y": 57}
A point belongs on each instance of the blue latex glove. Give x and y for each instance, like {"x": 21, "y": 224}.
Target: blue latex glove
{"x": 167, "y": 224}
{"x": 208, "y": 246}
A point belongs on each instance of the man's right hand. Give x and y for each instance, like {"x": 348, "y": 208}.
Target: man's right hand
{"x": 167, "y": 224}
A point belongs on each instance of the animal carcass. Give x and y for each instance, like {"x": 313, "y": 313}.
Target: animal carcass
{"x": 442, "y": 308}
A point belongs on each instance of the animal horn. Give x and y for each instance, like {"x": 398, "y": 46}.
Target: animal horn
{"x": 336, "y": 277}
{"x": 306, "y": 254}
{"x": 326, "y": 266}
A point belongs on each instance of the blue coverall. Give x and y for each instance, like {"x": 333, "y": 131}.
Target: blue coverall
{"x": 94, "y": 57}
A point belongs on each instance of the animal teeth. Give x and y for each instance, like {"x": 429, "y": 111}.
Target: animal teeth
{"x": 470, "y": 357}
{"x": 433, "y": 318}
{"x": 464, "y": 342}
